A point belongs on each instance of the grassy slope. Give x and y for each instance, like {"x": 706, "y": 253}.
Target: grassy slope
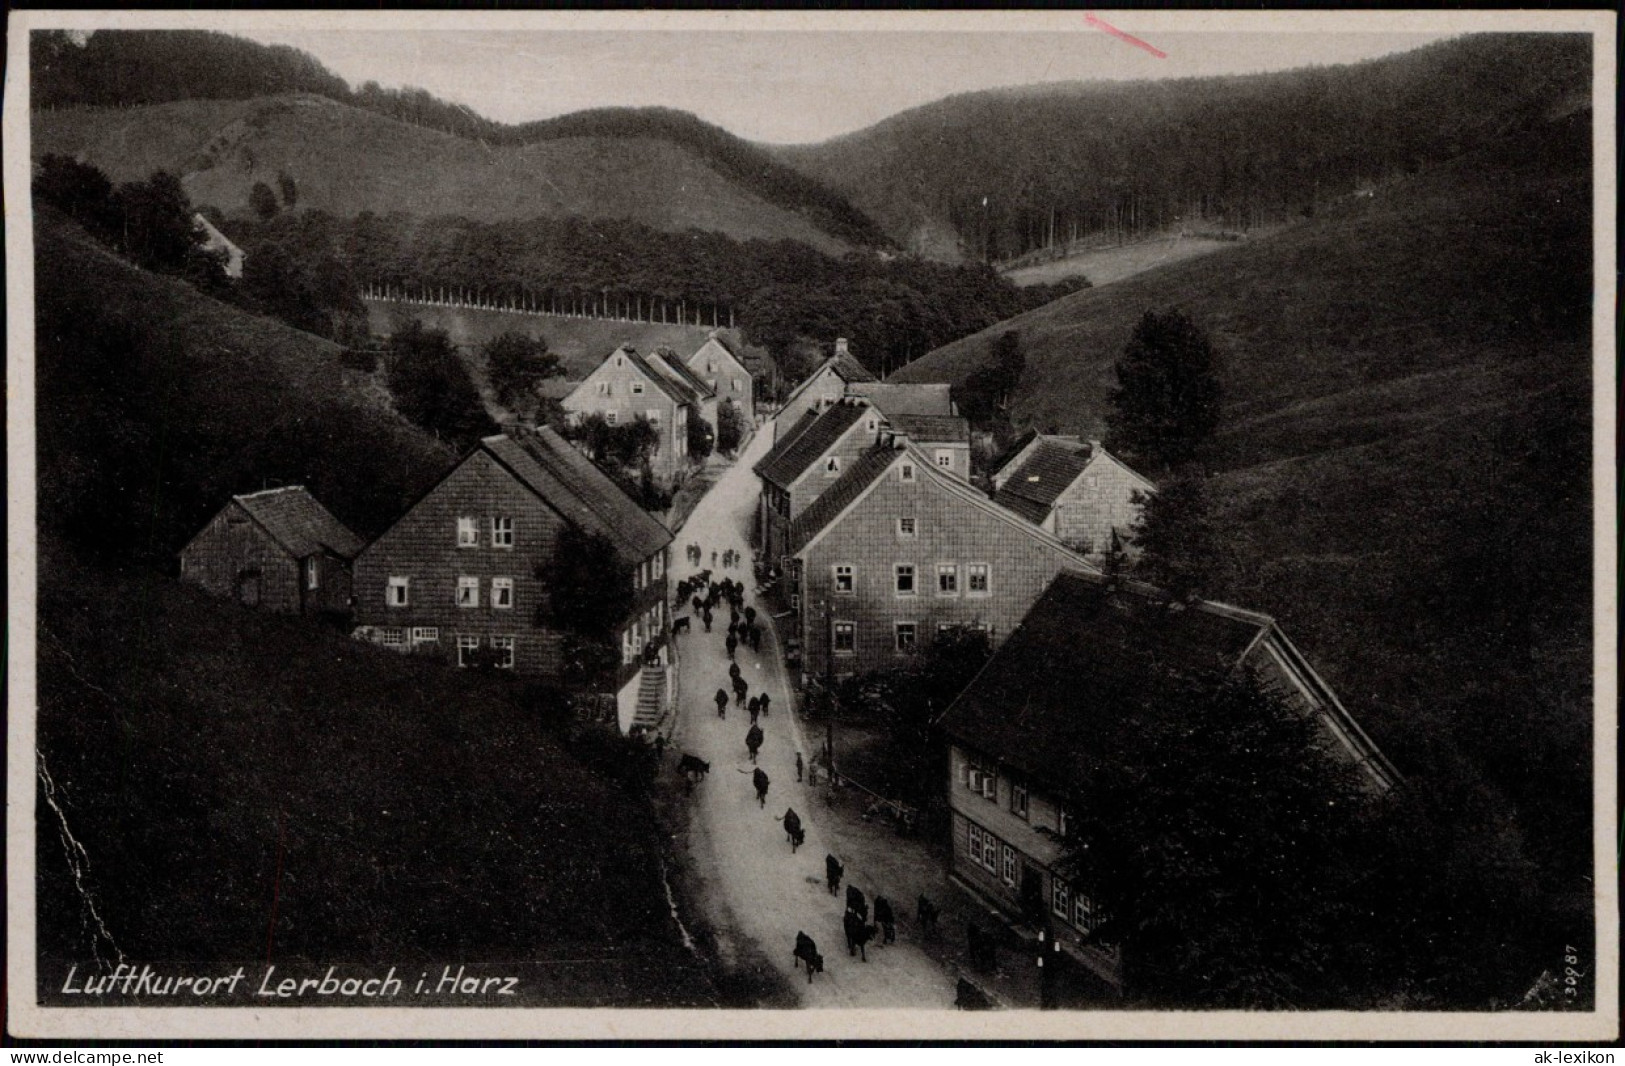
{"x": 1376, "y": 363}
{"x": 580, "y": 343}
{"x": 425, "y": 815}
{"x": 346, "y": 160}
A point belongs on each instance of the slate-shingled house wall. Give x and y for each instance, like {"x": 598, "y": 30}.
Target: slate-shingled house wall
{"x": 279, "y": 550}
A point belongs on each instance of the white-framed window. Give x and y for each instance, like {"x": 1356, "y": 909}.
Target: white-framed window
{"x": 907, "y": 635}
{"x": 1018, "y": 800}
{"x": 611, "y": 417}
{"x": 604, "y": 389}
{"x": 903, "y": 579}
{"x": 945, "y": 457}
{"x": 845, "y": 578}
{"x": 832, "y": 466}
{"x": 978, "y": 579}
{"x": 468, "y": 534}
{"x": 313, "y": 572}
{"x": 947, "y": 579}
{"x": 1061, "y": 898}
{"x": 501, "y": 532}
{"x": 502, "y": 593}
{"x": 468, "y": 592}
{"x": 399, "y": 592}
{"x": 846, "y": 637}
{"x": 637, "y": 388}
{"x": 1091, "y": 482}
{"x": 653, "y": 415}
{"x": 1083, "y": 912}
{"x": 905, "y": 471}
{"x": 504, "y": 647}
{"x": 392, "y": 637}
{"x": 984, "y": 783}
{"x": 982, "y": 847}
{"x": 736, "y": 385}
{"x": 908, "y": 528}
{"x": 466, "y": 646}
{"x": 628, "y": 649}
{"x": 1009, "y": 865}
{"x": 425, "y": 635}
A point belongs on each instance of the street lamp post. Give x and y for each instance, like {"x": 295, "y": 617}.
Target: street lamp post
{"x": 1048, "y": 948}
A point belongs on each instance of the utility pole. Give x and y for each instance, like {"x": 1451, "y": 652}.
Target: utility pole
{"x": 1049, "y": 948}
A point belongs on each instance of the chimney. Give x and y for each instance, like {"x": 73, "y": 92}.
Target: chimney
{"x": 840, "y": 346}
{"x": 1094, "y": 448}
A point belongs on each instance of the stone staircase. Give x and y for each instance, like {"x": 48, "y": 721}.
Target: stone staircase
{"x": 653, "y": 707}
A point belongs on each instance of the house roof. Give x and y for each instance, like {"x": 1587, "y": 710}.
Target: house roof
{"x": 783, "y": 443}
{"x": 1061, "y": 695}
{"x": 296, "y": 521}
{"x": 932, "y": 429}
{"x": 1017, "y": 449}
{"x": 843, "y": 365}
{"x": 786, "y": 466}
{"x": 586, "y": 496}
{"x": 669, "y": 361}
{"x": 1032, "y": 490}
{"x": 905, "y": 399}
{"x": 852, "y": 484}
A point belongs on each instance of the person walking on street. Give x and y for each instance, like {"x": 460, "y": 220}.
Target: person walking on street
{"x": 722, "y": 703}
{"x": 765, "y": 700}
{"x": 755, "y": 709}
{"x": 731, "y": 643}
{"x": 799, "y": 764}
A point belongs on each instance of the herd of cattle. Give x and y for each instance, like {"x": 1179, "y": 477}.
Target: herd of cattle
{"x": 705, "y": 596}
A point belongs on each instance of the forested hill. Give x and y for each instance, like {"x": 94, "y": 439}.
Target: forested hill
{"x": 100, "y": 98}
{"x": 997, "y": 174}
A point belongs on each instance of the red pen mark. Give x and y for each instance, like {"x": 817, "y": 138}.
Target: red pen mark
{"x": 1102, "y": 24}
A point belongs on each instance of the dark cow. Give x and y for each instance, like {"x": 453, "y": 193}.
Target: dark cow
{"x": 733, "y": 672}
{"x": 741, "y": 686}
{"x": 753, "y": 741}
{"x": 925, "y": 913}
{"x": 857, "y": 902}
{"x": 692, "y": 768}
{"x": 750, "y": 615}
{"x": 807, "y": 952}
{"x": 680, "y": 625}
{"x": 832, "y": 873}
{"x": 731, "y": 643}
{"x": 766, "y": 699}
{"x": 886, "y": 920}
{"x": 792, "y": 829}
{"x": 858, "y": 935}
{"x": 759, "y": 779}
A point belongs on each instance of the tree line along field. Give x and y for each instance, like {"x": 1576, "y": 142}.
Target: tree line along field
{"x": 1402, "y": 476}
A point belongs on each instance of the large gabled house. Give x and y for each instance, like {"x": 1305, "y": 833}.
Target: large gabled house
{"x": 1076, "y": 490}
{"x": 716, "y": 364}
{"x": 897, "y": 550}
{"x": 627, "y": 386}
{"x": 1048, "y": 709}
{"x": 279, "y": 549}
{"x": 458, "y": 575}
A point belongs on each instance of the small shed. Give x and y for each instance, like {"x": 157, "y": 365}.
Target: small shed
{"x": 279, "y": 550}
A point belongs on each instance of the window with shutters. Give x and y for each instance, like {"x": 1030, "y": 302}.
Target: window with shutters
{"x": 982, "y": 781}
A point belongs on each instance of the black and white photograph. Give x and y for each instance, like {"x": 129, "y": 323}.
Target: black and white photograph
{"x": 1056, "y": 525}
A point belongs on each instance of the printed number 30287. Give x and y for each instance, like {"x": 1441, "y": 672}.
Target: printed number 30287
{"x": 1571, "y": 972}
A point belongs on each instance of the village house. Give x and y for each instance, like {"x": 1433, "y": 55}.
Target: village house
{"x": 1078, "y": 491}
{"x": 815, "y": 452}
{"x": 278, "y": 549}
{"x": 822, "y": 387}
{"x": 922, "y": 398}
{"x": 1047, "y": 710}
{"x": 459, "y": 571}
{"x": 627, "y": 386}
{"x": 716, "y": 364}
{"x": 898, "y": 550}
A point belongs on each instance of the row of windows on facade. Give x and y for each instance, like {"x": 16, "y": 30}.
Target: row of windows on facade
{"x": 398, "y": 593}
{"x": 978, "y": 578}
{"x": 649, "y": 625}
{"x": 985, "y": 783}
{"x": 945, "y": 459}
{"x": 1001, "y": 860}
{"x": 402, "y": 637}
{"x": 905, "y": 635}
{"x": 607, "y": 388}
